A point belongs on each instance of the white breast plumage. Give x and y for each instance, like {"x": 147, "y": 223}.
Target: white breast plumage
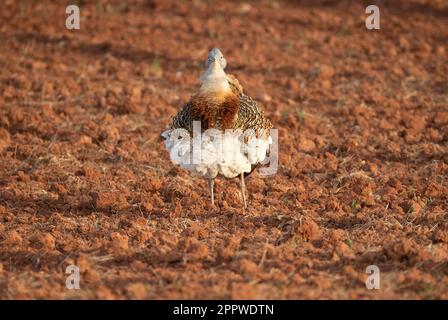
{"x": 225, "y": 154}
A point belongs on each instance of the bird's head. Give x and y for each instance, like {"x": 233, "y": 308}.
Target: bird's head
{"x": 216, "y": 57}
{"x": 214, "y": 79}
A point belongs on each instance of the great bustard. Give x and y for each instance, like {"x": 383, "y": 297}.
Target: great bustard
{"x": 234, "y": 133}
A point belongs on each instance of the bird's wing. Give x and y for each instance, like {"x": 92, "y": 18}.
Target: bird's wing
{"x": 250, "y": 116}
{"x": 235, "y": 85}
{"x": 183, "y": 119}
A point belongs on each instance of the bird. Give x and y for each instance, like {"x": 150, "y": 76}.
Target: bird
{"x": 234, "y": 132}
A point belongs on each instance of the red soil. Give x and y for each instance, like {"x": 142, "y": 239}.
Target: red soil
{"x": 363, "y": 131}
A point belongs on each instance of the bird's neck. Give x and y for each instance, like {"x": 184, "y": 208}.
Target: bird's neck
{"x": 214, "y": 83}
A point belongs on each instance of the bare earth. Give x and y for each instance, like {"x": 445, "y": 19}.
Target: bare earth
{"x": 363, "y": 142}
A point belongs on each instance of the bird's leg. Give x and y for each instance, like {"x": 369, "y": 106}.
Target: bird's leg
{"x": 243, "y": 189}
{"x": 211, "y": 182}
